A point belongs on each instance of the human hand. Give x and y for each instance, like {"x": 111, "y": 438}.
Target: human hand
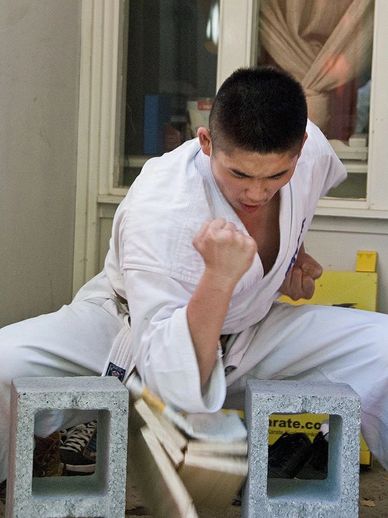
{"x": 227, "y": 252}
{"x": 300, "y": 280}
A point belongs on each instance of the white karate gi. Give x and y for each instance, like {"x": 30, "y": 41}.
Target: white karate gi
{"x": 152, "y": 263}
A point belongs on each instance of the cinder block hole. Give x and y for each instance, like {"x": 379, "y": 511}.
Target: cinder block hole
{"x": 58, "y": 462}
{"x": 302, "y": 457}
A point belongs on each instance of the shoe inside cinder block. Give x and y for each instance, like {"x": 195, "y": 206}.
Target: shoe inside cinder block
{"x": 288, "y": 454}
{"x": 78, "y": 449}
{"x": 3, "y": 491}
{"x": 316, "y": 466}
{"x": 46, "y": 459}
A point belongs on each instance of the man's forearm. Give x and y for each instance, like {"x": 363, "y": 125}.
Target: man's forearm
{"x": 206, "y": 313}
{"x": 227, "y": 254}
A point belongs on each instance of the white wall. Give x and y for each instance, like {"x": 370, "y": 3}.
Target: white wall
{"x": 39, "y": 80}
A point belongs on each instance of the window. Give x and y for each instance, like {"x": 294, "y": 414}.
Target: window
{"x": 173, "y": 51}
{"x": 171, "y": 69}
{"x": 337, "y": 51}
{"x": 356, "y": 113}
{"x": 328, "y": 48}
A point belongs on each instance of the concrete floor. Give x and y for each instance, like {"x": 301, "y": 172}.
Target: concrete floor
{"x": 373, "y": 498}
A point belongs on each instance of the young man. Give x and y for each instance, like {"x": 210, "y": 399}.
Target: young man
{"x": 202, "y": 245}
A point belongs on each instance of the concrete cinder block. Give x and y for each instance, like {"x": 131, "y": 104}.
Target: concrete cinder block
{"x": 337, "y": 495}
{"x": 99, "y": 495}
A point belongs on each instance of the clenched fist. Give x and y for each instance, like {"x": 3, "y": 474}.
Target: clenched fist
{"x": 300, "y": 280}
{"x": 227, "y": 252}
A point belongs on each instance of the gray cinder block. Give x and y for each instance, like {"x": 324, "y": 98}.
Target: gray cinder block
{"x": 337, "y": 495}
{"x": 99, "y": 495}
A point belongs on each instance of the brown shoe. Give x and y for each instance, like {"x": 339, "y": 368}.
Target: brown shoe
{"x": 47, "y": 462}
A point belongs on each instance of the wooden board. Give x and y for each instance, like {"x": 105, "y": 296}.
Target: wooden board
{"x": 159, "y": 483}
{"x": 169, "y": 437}
{"x": 213, "y": 482}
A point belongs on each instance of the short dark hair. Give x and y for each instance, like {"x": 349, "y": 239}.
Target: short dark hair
{"x": 260, "y": 109}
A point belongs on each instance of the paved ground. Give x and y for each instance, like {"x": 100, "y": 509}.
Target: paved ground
{"x": 373, "y": 499}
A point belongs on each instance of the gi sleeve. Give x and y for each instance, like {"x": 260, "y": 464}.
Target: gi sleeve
{"x": 334, "y": 169}
{"x": 328, "y": 170}
{"x": 163, "y": 350}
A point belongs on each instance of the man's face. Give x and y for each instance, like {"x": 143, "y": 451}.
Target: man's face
{"x": 249, "y": 180}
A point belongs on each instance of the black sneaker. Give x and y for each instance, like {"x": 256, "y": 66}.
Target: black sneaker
{"x": 288, "y": 455}
{"x": 3, "y": 491}
{"x": 78, "y": 449}
{"x": 46, "y": 459}
{"x": 316, "y": 465}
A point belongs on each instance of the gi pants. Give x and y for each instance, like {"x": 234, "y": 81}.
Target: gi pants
{"x": 303, "y": 343}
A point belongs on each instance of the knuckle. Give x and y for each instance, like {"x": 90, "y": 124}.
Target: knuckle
{"x": 218, "y": 223}
{"x": 230, "y": 225}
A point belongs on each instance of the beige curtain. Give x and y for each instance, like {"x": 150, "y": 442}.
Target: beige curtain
{"x": 325, "y": 44}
